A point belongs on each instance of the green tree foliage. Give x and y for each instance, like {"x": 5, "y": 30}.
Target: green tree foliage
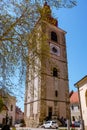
{"x": 17, "y": 19}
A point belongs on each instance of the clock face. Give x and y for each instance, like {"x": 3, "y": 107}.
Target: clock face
{"x": 55, "y": 49}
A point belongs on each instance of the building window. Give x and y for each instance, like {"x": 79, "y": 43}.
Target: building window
{"x": 55, "y": 72}
{"x": 53, "y": 36}
{"x": 72, "y": 107}
{"x": 78, "y": 107}
{"x": 86, "y": 97}
{"x": 73, "y": 118}
{"x": 56, "y": 93}
{"x": 49, "y": 113}
{"x": 11, "y": 119}
{"x": 11, "y": 107}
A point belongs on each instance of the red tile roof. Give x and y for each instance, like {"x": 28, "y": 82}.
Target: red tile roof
{"x": 74, "y": 98}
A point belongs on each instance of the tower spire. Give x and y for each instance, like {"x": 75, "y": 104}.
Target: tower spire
{"x": 45, "y": 2}
{"x": 46, "y": 14}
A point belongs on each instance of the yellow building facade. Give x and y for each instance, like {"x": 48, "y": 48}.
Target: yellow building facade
{"x": 7, "y": 115}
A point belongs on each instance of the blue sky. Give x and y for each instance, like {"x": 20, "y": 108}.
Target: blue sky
{"x": 74, "y": 22}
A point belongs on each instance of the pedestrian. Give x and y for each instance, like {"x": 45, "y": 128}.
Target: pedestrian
{"x": 73, "y": 125}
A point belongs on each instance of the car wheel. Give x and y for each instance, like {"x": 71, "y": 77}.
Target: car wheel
{"x": 42, "y": 126}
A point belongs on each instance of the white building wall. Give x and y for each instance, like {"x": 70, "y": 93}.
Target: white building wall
{"x": 75, "y": 112}
{"x": 82, "y": 91}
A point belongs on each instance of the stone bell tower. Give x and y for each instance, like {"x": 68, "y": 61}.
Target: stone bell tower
{"x": 47, "y": 89}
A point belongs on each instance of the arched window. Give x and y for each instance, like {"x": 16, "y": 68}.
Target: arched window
{"x": 86, "y": 97}
{"x": 55, "y": 72}
{"x": 53, "y": 36}
{"x": 72, "y": 107}
{"x": 11, "y": 107}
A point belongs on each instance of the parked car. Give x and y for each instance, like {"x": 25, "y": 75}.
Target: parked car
{"x": 18, "y": 125}
{"x": 77, "y": 124}
{"x": 50, "y": 124}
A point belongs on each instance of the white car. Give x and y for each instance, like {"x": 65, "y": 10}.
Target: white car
{"x": 50, "y": 124}
{"x": 18, "y": 125}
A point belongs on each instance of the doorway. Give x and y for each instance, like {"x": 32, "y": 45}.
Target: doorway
{"x": 50, "y": 112}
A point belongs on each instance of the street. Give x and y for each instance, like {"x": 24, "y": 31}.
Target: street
{"x": 60, "y": 128}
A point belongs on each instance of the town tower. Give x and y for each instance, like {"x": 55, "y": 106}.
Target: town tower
{"x": 47, "y": 89}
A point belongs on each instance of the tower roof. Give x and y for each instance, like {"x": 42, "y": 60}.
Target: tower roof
{"x": 74, "y": 98}
{"x": 46, "y": 15}
{"x": 46, "y": 9}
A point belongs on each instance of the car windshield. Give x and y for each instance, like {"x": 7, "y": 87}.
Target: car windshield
{"x": 53, "y": 121}
{"x": 47, "y": 122}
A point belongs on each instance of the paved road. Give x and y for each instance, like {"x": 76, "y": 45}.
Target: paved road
{"x": 27, "y": 128}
